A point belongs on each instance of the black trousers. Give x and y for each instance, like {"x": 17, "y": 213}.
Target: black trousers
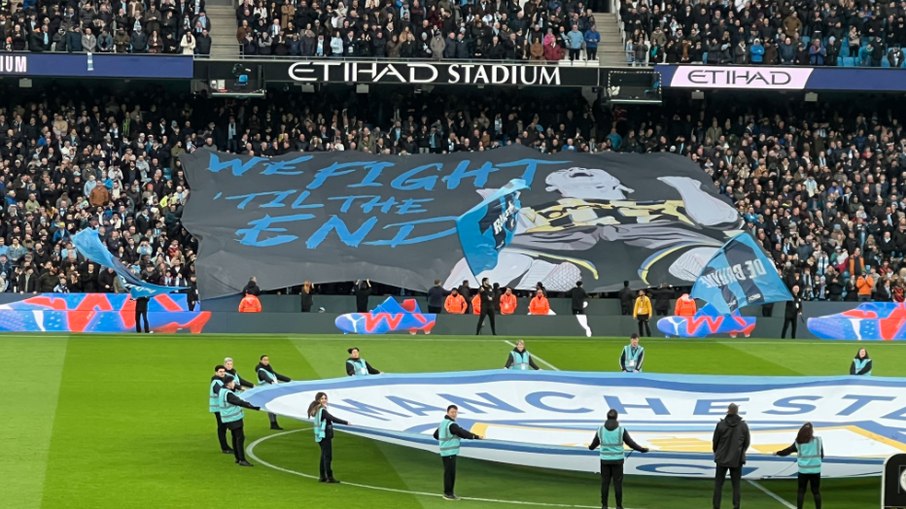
{"x": 434, "y": 309}
{"x": 141, "y": 314}
{"x": 574, "y": 53}
{"x": 612, "y": 472}
{"x": 805, "y": 480}
{"x": 273, "y": 418}
{"x": 221, "y": 432}
{"x": 490, "y": 314}
{"x": 591, "y": 53}
{"x": 325, "y": 468}
{"x": 643, "y": 324}
{"x": 238, "y": 435}
{"x": 786, "y": 323}
{"x": 449, "y": 474}
{"x": 719, "y": 477}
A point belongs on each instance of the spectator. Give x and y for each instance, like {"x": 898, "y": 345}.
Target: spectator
{"x": 756, "y": 52}
{"x": 592, "y": 38}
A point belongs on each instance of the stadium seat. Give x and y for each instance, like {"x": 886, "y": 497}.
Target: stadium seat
{"x": 839, "y": 61}
{"x": 806, "y": 40}
{"x": 885, "y": 63}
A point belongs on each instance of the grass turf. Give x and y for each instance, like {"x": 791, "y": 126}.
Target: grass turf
{"x": 121, "y": 422}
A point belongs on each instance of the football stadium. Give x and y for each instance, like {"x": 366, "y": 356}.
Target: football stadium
{"x": 401, "y": 254}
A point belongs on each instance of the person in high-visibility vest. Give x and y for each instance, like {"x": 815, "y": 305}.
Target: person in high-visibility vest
{"x": 323, "y": 429}
{"x": 267, "y": 375}
{"x": 455, "y": 304}
{"x": 861, "y": 364}
{"x": 214, "y": 406}
{"x": 519, "y": 358}
{"x": 231, "y": 407}
{"x": 685, "y": 306}
{"x": 809, "y": 452}
{"x": 231, "y": 370}
{"x": 633, "y": 355}
{"x": 448, "y": 435}
{"x": 357, "y": 366}
{"x": 508, "y": 302}
{"x": 610, "y": 438}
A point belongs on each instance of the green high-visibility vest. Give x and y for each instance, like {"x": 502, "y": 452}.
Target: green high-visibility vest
{"x": 267, "y": 375}
{"x": 632, "y": 359}
{"x": 860, "y": 363}
{"x": 359, "y": 367}
{"x": 809, "y": 456}
{"x": 520, "y": 360}
{"x": 449, "y": 443}
{"x": 611, "y": 443}
{"x": 320, "y": 428}
{"x": 213, "y": 399}
{"x": 228, "y": 411}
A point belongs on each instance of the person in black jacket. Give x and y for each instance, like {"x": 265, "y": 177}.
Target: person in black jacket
{"x": 436, "y": 296}
{"x": 236, "y": 427}
{"x": 662, "y": 296}
{"x": 792, "y": 312}
{"x": 487, "y": 298}
{"x": 449, "y": 448}
{"x": 627, "y": 298}
{"x": 612, "y": 456}
{"x": 355, "y": 365}
{"x": 141, "y": 314}
{"x": 362, "y": 292}
{"x": 730, "y": 442}
{"x": 324, "y": 422}
{"x": 267, "y": 375}
{"x": 861, "y": 364}
{"x": 192, "y": 292}
{"x": 577, "y": 297}
{"x": 252, "y": 287}
{"x": 307, "y": 295}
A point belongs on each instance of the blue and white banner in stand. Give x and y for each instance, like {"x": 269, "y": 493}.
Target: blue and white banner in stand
{"x": 547, "y": 419}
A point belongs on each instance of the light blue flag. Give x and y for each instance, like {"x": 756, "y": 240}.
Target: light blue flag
{"x": 489, "y": 226}
{"x": 89, "y": 244}
{"x": 740, "y": 274}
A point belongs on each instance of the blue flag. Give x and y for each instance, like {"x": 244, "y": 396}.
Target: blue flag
{"x": 739, "y": 274}
{"x": 89, "y": 244}
{"x": 488, "y": 227}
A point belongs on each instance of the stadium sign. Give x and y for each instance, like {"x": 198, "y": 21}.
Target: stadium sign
{"x": 423, "y": 73}
{"x": 547, "y": 419}
{"x": 772, "y": 78}
{"x": 13, "y": 64}
{"x": 97, "y": 65}
{"x": 842, "y": 79}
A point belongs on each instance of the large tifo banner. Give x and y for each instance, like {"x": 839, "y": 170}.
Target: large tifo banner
{"x": 513, "y": 214}
{"x": 548, "y": 419}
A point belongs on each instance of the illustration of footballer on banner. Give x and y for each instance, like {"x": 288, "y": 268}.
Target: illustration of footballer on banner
{"x": 557, "y": 243}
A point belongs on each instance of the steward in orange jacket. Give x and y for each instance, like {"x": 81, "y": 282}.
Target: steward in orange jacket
{"x": 508, "y": 302}
{"x": 250, "y": 304}
{"x": 476, "y": 304}
{"x": 685, "y": 306}
{"x": 539, "y": 304}
{"x": 455, "y": 304}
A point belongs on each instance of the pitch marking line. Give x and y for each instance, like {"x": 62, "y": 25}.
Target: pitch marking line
{"x": 539, "y": 359}
{"x": 250, "y": 451}
{"x": 771, "y": 494}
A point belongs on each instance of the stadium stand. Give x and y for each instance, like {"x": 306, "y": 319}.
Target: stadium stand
{"x": 846, "y": 34}
{"x": 168, "y": 26}
{"x": 494, "y": 30}
{"x": 821, "y": 187}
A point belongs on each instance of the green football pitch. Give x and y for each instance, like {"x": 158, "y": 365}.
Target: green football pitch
{"x": 122, "y": 422}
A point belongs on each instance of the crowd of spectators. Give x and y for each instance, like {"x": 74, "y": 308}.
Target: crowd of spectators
{"x": 821, "y": 185}
{"x": 765, "y": 32}
{"x": 433, "y": 29}
{"x": 104, "y": 26}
